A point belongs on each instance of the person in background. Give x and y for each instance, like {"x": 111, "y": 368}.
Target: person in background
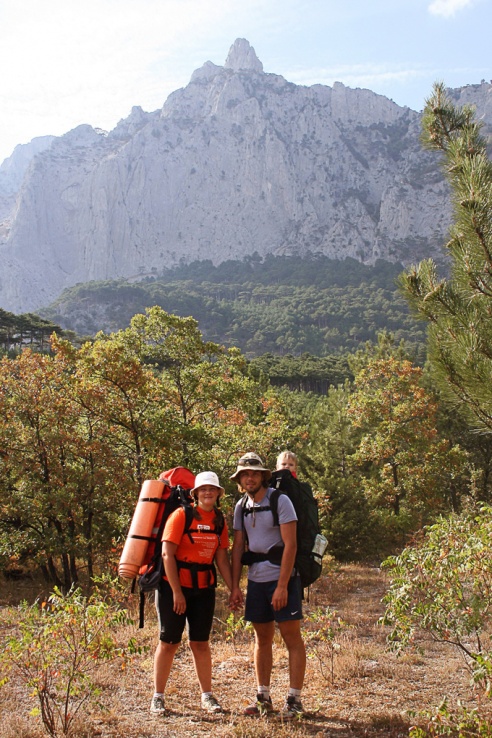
{"x": 287, "y": 460}
{"x": 187, "y": 594}
{"x": 274, "y": 593}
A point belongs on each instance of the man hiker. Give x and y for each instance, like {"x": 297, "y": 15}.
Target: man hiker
{"x": 274, "y": 593}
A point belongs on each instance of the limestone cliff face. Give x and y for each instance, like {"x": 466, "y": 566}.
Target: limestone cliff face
{"x": 236, "y": 162}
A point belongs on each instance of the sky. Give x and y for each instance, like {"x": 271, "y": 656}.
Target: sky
{"x": 68, "y": 62}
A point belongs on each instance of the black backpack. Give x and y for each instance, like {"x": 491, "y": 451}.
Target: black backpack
{"x": 152, "y": 572}
{"x": 308, "y": 562}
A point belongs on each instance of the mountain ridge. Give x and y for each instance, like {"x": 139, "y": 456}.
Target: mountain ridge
{"x": 237, "y": 161}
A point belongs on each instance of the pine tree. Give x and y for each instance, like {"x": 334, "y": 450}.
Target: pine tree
{"x": 459, "y": 308}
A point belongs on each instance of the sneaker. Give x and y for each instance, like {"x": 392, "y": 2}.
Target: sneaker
{"x": 292, "y": 708}
{"x": 157, "y": 706}
{"x": 262, "y": 706}
{"x": 210, "y": 704}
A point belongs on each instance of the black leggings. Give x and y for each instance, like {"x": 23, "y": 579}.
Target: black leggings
{"x": 199, "y": 614}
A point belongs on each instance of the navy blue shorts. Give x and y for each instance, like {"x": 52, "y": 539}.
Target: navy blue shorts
{"x": 199, "y": 614}
{"x": 259, "y": 602}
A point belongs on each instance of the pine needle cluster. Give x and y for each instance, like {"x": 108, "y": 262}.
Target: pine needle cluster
{"x": 459, "y": 308}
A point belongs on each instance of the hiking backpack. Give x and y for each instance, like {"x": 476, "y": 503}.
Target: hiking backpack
{"x": 311, "y": 544}
{"x": 177, "y": 495}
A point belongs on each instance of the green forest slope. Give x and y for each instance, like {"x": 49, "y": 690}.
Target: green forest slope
{"x": 279, "y": 305}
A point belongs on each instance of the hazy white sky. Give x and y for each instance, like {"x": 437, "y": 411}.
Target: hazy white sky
{"x": 67, "y": 62}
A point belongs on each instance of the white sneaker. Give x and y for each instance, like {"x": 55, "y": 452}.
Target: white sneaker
{"x": 210, "y": 704}
{"x": 157, "y": 706}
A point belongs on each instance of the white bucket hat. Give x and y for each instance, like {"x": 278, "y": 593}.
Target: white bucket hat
{"x": 207, "y": 477}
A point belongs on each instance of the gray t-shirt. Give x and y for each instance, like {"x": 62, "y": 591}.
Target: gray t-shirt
{"x": 262, "y": 534}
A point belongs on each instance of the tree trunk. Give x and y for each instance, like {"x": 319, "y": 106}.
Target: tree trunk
{"x": 53, "y": 574}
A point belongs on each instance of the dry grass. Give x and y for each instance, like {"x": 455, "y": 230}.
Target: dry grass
{"x": 353, "y": 686}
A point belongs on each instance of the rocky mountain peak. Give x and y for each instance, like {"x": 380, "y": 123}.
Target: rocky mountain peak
{"x": 243, "y": 56}
{"x": 237, "y": 162}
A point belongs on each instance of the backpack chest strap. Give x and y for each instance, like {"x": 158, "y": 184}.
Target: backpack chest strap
{"x": 272, "y": 507}
{"x": 190, "y": 532}
{"x": 255, "y": 509}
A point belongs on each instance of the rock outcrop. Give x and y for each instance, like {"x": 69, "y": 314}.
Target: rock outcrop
{"x": 239, "y": 161}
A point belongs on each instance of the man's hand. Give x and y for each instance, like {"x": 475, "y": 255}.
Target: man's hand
{"x": 280, "y": 597}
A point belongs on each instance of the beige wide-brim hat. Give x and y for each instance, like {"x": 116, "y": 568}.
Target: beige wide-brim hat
{"x": 207, "y": 478}
{"x": 249, "y": 462}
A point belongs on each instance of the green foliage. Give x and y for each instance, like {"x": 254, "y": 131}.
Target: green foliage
{"x": 19, "y": 331}
{"x": 157, "y": 394}
{"x": 384, "y": 348}
{"x": 389, "y": 533}
{"x": 58, "y": 501}
{"x": 212, "y": 406}
{"x": 55, "y": 648}
{"x": 323, "y": 632}
{"x": 478, "y": 446}
{"x": 279, "y": 304}
{"x": 374, "y": 456}
{"x": 442, "y": 586}
{"x": 305, "y": 373}
{"x": 460, "y": 723}
{"x": 236, "y": 627}
{"x": 82, "y": 429}
{"x": 458, "y": 309}
{"x": 410, "y": 464}
{"x": 327, "y": 459}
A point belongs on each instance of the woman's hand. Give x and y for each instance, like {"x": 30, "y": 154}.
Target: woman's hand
{"x": 179, "y": 603}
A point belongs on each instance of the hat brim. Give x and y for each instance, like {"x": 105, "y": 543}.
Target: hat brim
{"x": 249, "y": 468}
{"x": 208, "y": 484}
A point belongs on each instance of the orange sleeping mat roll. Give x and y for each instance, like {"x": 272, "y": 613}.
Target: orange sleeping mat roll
{"x": 141, "y": 528}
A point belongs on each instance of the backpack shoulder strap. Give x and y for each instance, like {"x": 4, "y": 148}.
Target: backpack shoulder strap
{"x": 158, "y": 539}
{"x": 271, "y": 506}
{"x": 221, "y": 521}
{"x": 188, "y": 511}
{"x": 243, "y": 513}
{"x": 274, "y": 504}
{"x": 244, "y": 500}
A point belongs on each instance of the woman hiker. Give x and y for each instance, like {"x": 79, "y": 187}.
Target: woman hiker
{"x": 187, "y": 593}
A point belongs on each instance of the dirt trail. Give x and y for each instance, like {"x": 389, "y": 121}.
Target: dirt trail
{"x": 354, "y": 687}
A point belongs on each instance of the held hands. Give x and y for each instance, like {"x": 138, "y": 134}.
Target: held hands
{"x": 236, "y": 600}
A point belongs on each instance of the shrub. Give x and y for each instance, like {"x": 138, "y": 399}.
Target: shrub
{"x": 442, "y": 585}
{"x": 56, "y": 646}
